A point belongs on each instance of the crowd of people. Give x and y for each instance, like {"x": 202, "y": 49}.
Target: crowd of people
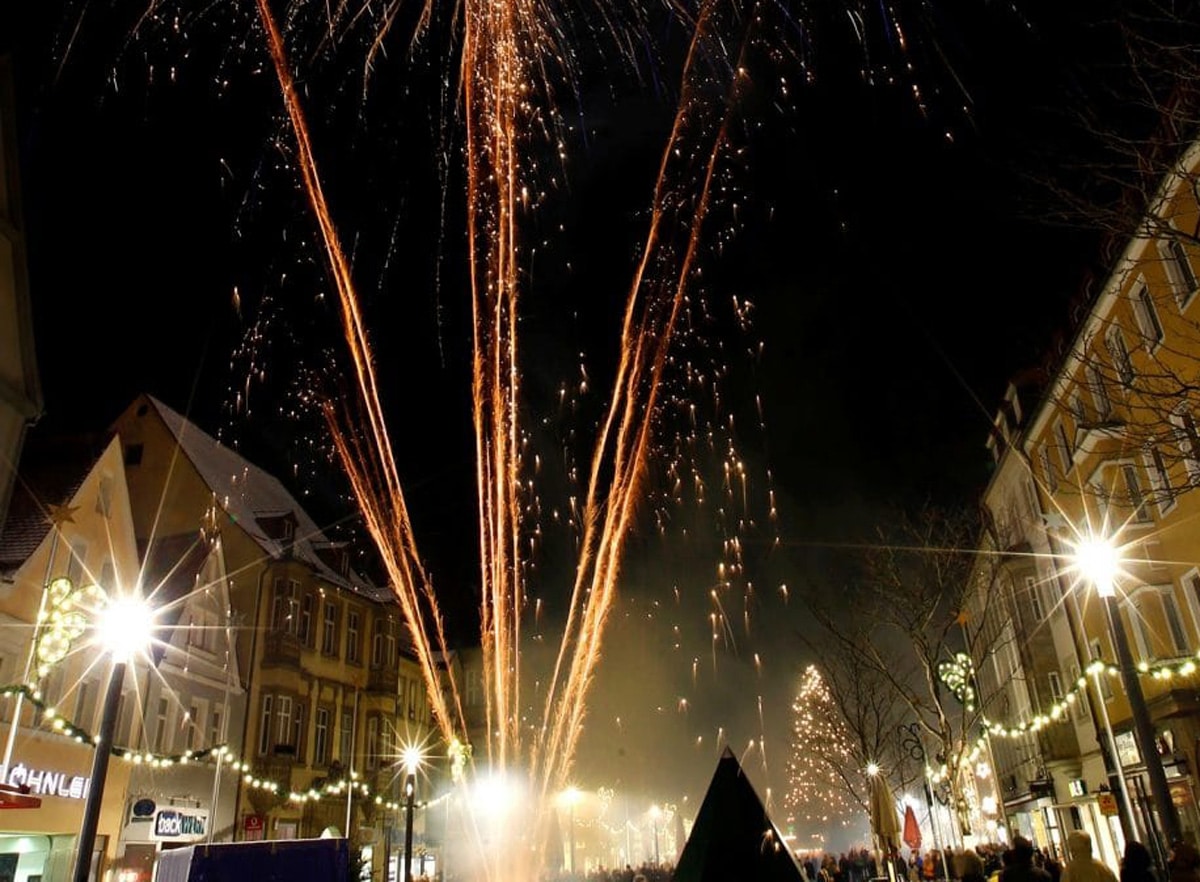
{"x": 1020, "y": 861}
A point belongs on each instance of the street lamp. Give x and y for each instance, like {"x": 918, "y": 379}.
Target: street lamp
{"x": 655, "y": 814}
{"x": 412, "y": 762}
{"x": 123, "y": 628}
{"x": 1100, "y": 561}
{"x": 570, "y": 798}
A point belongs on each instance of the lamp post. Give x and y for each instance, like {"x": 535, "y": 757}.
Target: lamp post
{"x": 655, "y": 813}
{"x": 914, "y": 745}
{"x": 123, "y": 628}
{"x": 412, "y": 761}
{"x": 1100, "y": 561}
{"x": 570, "y": 798}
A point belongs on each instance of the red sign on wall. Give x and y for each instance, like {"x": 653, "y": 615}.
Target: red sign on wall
{"x": 253, "y": 826}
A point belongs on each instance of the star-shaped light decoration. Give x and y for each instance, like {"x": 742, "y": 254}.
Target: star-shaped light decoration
{"x": 57, "y": 515}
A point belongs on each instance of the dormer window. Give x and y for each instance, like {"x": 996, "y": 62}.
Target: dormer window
{"x": 278, "y": 525}
{"x": 335, "y": 555}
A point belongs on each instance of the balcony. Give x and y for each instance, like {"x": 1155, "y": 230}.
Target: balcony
{"x": 385, "y": 681}
{"x": 281, "y": 650}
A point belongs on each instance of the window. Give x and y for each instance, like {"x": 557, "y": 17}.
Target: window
{"x": 414, "y": 694}
{"x": 1147, "y": 317}
{"x": 75, "y": 568}
{"x": 108, "y": 576}
{"x": 304, "y": 631}
{"x": 1079, "y": 709}
{"x": 1143, "y": 636}
{"x": 85, "y": 711}
{"x": 283, "y": 719}
{"x": 1179, "y": 270}
{"x": 215, "y": 735}
{"x": 1048, "y": 468}
{"x": 372, "y": 742}
{"x": 1099, "y": 391}
{"x": 1115, "y": 342}
{"x": 285, "y": 612}
{"x": 1134, "y": 494}
{"x": 321, "y": 738}
{"x": 1179, "y": 640}
{"x": 1188, "y": 440}
{"x": 133, "y": 454}
{"x": 1035, "y": 598}
{"x": 474, "y": 688}
{"x": 297, "y": 739}
{"x": 1102, "y": 677}
{"x": 389, "y": 640}
{"x": 264, "y": 725}
{"x": 1065, "y": 447}
{"x": 1056, "y": 690}
{"x": 377, "y": 647}
{"x": 329, "y": 630}
{"x": 346, "y": 738}
{"x": 1160, "y": 479}
{"x": 352, "y": 631}
{"x": 192, "y": 724}
{"x": 162, "y": 731}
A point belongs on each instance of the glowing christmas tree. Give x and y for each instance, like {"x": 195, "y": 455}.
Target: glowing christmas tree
{"x": 820, "y": 767}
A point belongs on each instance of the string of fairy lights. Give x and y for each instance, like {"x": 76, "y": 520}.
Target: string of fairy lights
{"x": 959, "y": 676}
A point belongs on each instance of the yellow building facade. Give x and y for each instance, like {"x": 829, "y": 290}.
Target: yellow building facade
{"x": 70, "y": 518}
{"x": 1112, "y": 449}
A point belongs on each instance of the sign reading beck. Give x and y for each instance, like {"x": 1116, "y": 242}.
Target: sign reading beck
{"x": 180, "y": 824}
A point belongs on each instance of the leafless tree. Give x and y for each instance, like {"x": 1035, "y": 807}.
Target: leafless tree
{"x": 924, "y": 599}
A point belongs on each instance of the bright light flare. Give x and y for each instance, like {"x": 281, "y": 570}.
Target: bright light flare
{"x": 1099, "y": 561}
{"x": 571, "y": 796}
{"x": 872, "y": 769}
{"x": 125, "y": 627}
{"x": 412, "y": 758}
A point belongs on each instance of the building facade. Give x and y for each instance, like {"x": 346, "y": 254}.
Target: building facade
{"x": 1111, "y": 449}
{"x": 70, "y": 520}
{"x": 332, "y": 692}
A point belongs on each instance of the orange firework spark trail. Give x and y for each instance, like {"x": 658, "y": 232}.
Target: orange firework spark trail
{"x": 389, "y": 525}
{"x": 502, "y": 41}
{"x": 650, "y": 342}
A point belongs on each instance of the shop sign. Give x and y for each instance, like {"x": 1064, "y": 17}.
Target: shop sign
{"x": 1107, "y": 803}
{"x": 44, "y": 783}
{"x": 1077, "y": 787}
{"x": 180, "y": 824}
{"x": 253, "y": 825}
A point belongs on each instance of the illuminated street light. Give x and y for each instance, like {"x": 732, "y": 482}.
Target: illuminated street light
{"x": 412, "y": 758}
{"x": 123, "y": 629}
{"x": 570, "y": 798}
{"x": 1099, "y": 561}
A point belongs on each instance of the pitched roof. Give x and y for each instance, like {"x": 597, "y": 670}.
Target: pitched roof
{"x": 51, "y": 471}
{"x": 248, "y": 493}
{"x": 733, "y": 838}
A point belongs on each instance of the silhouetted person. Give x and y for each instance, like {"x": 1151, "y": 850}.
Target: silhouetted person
{"x": 1138, "y": 863}
{"x": 1018, "y": 864}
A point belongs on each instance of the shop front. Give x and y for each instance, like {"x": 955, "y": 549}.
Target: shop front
{"x": 38, "y": 844}
{"x": 152, "y": 828}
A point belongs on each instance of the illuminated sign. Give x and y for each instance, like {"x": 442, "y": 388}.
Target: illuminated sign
{"x": 180, "y": 824}
{"x": 44, "y": 783}
{"x": 1077, "y": 787}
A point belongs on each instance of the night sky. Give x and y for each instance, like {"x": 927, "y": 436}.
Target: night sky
{"x": 892, "y": 248}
